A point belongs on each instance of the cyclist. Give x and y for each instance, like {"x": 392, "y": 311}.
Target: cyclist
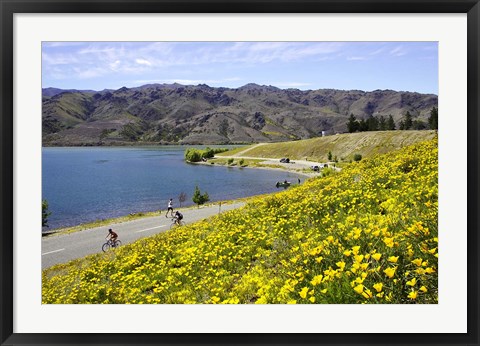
{"x": 178, "y": 217}
{"x": 113, "y": 236}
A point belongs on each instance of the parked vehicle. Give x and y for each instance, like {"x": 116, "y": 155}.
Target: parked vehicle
{"x": 285, "y": 160}
{"x": 316, "y": 168}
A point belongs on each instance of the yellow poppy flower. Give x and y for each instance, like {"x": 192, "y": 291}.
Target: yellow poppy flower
{"x": 412, "y": 295}
{"x": 303, "y": 292}
{"x": 417, "y": 261}
{"x": 358, "y": 289}
{"x": 316, "y": 280}
{"x": 377, "y": 256}
{"x": 390, "y": 272}
{"x": 378, "y": 287}
{"x": 367, "y": 294}
{"x": 393, "y": 259}
{"x": 412, "y": 282}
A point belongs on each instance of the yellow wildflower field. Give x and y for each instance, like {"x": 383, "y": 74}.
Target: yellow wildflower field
{"x": 367, "y": 234}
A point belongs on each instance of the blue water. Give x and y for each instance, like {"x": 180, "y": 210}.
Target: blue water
{"x": 88, "y": 184}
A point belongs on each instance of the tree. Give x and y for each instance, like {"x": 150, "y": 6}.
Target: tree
{"x": 382, "y": 123}
{"x": 193, "y": 155}
{"x": 330, "y": 156}
{"x": 408, "y": 121}
{"x": 362, "y": 125}
{"x": 45, "y": 213}
{"x": 198, "y": 198}
{"x": 352, "y": 124}
{"x": 182, "y": 198}
{"x": 372, "y": 123}
{"x": 419, "y": 125}
{"x": 357, "y": 157}
{"x": 433, "y": 119}
{"x": 390, "y": 123}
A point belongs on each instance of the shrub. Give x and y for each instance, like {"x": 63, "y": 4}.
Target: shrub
{"x": 45, "y": 213}
{"x": 357, "y": 157}
{"x": 199, "y": 198}
{"x": 230, "y": 161}
{"x": 196, "y": 155}
{"x": 193, "y": 155}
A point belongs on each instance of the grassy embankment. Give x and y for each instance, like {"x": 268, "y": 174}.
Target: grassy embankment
{"x": 343, "y": 146}
{"x": 367, "y": 234}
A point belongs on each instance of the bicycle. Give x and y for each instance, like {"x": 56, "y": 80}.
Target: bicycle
{"x": 110, "y": 244}
{"x": 176, "y": 223}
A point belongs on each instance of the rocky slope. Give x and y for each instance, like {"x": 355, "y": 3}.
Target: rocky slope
{"x": 175, "y": 113}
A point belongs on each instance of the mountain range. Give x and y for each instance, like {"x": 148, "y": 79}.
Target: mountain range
{"x": 180, "y": 114}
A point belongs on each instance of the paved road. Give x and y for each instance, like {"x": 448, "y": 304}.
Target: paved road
{"x": 66, "y": 247}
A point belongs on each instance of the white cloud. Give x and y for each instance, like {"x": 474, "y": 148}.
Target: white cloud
{"x": 115, "y": 65}
{"x": 89, "y": 72}
{"x": 399, "y": 51}
{"x": 356, "y": 58}
{"x": 378, "y": 51}
{"x": 143, "y": 62}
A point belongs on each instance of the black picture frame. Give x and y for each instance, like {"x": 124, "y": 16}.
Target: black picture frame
{"x": 9, "y": 7}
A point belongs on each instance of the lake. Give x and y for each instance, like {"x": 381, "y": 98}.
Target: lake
{"x": 85, "y": 184}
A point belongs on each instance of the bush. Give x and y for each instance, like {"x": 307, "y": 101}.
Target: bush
{"x": 230, "y": 161}
{"x": 45, "y": 213}
{"x": 196, "y": 155}
{"x": 198, "y": 198}
{"x": 193, "y": 155}
{"x": 241, "y": 162}
{"x": 357, "y": 157}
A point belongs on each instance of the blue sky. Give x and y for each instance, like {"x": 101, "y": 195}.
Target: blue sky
{"x": 401, "y": 66}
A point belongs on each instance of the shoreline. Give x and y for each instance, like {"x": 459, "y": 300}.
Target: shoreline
{"x": 305, "y": 174}
{"x": 140, "y": 216}
{"x": 149, "y": 214}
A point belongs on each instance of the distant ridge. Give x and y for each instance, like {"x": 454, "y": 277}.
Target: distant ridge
{"x": 201, "y": 114}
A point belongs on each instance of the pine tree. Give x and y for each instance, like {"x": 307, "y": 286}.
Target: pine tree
{"x": 390, "y": 123}
{"x": 382, "y": 123}
{"x": 352, "y": 124}
{"x": 433, "y": 119}
{"x": 408, "y": 122}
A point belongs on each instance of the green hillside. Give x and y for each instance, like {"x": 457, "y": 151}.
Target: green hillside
{"x": 367, "y": 234}
{"x": 344, "y": 146}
